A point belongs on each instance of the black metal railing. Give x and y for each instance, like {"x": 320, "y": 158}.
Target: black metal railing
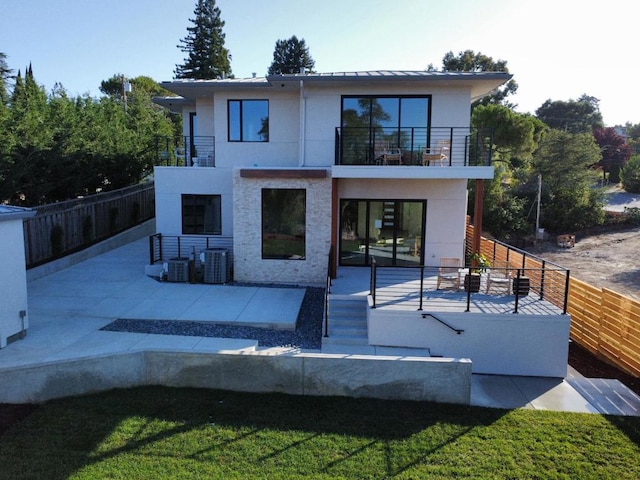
{"x": 187, "y": 151}
{"x": 327, "y": 290}
{"x": 452, "y": 146}
{"x": 498, "y": 289}
{"x": 545, "y": 273}
{"x": 165, "y": 247}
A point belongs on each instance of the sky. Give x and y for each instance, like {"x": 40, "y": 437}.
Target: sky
{"x": 556, "y": 49}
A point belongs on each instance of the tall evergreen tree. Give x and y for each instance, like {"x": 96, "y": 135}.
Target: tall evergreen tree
{"x": 469, "y": 61}
{"x": 207, "y": 58}
{"x": 5, "y": 74}
{"x": 291, "y": 56}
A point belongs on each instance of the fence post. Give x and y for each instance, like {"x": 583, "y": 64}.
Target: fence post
{"x": 421, "y": 285}
{"x": 544, "y": 263}
{"x": 566, "y": 294}
{"x": 372, "y": 287}
{"x": 517, "y": 289}
{"x": 468, "y": 291}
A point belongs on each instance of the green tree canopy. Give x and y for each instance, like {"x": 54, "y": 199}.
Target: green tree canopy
{"x": 515, "y": 135}
{"x": 291, "y": 56}
{"x": 564, "y": 160}
{"x": 574, "y": 116}
{"x": 469, "y": 61}
{"x": 207, "y": 57}
{"x": 55, "y": 147}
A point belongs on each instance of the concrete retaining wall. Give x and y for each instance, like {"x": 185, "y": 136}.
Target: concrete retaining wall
{"x": 499, "y": 344}
{"x": 404, "y": 378}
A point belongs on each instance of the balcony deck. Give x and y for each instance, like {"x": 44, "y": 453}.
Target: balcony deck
{"x": 404, "y": 295}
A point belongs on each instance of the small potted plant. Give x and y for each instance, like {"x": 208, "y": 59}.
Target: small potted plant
{"x": 479, "y": 264}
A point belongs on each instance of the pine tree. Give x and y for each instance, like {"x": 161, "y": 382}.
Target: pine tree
{"x": 291, "y": 56}
{"x": 5, "y": 75}
{"x": 207, "y": 58}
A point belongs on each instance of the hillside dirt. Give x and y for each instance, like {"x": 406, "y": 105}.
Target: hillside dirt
{"x": 605, "y": 260}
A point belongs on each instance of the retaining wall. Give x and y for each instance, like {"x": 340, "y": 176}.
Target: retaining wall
{"x": 441, "y": 380}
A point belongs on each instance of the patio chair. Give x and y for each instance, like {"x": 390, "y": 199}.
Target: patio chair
{"x": 439, "y": 153}
{"x": 448, "y": 273}
{"x": 499, "y": 277}
{"x": 386, "y": 155}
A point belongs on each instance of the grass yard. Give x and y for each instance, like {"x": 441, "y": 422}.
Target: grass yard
{"x": 189, "y": 433}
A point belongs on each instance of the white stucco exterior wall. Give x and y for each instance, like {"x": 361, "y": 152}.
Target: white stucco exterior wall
{"x": 249, "y": 266}
{"x": 172, "y": 182}
{"x": 498, "y": 344}
{"x": 13, "y": 281}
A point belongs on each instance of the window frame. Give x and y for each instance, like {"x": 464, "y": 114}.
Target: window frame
{"x": 294, "y": 235}
{"x": 231, "y": 119}
{"x": 189, "y": 200}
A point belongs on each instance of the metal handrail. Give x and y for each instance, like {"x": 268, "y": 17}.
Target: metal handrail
{"x": 457, "y": 330}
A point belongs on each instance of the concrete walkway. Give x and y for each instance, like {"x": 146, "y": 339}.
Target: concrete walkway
{"x": 68, "y": 308}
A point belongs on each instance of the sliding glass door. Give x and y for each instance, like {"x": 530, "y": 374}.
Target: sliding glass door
{"x": 389, "y": 230}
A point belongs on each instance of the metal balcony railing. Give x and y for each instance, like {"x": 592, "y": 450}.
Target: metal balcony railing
{"x": 443, "y": 146}
{"x": 198, "y": 151}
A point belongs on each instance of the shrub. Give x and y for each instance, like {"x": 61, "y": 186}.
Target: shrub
{"x": 630, "y": 175}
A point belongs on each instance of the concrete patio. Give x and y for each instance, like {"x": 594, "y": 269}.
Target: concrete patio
{"x": 68, "y": 307}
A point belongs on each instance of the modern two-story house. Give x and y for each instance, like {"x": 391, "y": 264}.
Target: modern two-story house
{"x": 295, "y": 176}
{"x": 288, "y": 166}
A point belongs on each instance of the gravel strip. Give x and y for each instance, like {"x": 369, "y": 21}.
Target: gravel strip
{"x": 307, "y": 335}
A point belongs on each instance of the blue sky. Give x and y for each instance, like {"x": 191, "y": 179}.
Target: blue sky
{"x": 556, "y": 49}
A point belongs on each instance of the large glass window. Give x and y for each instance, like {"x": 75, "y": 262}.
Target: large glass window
{"x": 389, "y": 230}
{"x": 371, "y": 123}
{"x": 201, "y": 214}
{"x": 283, "y": 223}
{"x": 248, "y": 120}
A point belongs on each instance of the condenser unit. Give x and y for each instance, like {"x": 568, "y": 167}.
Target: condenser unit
{"x": 178, "y": 269}
{"x": 216, "y": 265}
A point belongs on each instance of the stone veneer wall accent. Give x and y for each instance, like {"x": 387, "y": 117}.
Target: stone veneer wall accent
{"x": 247, "y": 231}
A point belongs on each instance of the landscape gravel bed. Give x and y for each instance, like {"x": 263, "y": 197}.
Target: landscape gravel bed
{"x": 307, "y": 335}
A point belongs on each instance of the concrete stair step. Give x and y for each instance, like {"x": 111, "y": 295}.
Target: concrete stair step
{"x": 347, "y": 320}
{"x": 344, "y": 340}
{"x": 356, "y": 330}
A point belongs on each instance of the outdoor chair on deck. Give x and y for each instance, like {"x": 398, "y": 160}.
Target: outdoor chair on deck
{"x": 439, "y": 153}
{"x": 500, "y": 277}
{"x": 386, "y": 155}
{"x": 448, "y": 273}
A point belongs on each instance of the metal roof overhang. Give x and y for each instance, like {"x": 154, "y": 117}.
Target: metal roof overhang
{"x": 480, "y": 83}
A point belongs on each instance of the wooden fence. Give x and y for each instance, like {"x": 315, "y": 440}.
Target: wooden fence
{"x": 62, "y": 228}
{"x": 604, "y": 322}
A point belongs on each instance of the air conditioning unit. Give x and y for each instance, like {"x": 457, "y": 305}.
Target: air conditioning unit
{"x": 178, "y": 269}
{"x": 216, "y": 265}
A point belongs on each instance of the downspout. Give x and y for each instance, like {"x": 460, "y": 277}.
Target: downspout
{"x": 303, "y": 114}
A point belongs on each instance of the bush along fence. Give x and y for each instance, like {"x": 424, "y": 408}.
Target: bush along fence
{"x": 62, "y": 228}
{"x": 604, "y": 322}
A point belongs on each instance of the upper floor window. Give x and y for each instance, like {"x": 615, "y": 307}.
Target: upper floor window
{"x": 248, "y": 120}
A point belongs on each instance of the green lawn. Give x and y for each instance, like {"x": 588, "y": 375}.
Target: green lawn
{"x": 190, "y": 433}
